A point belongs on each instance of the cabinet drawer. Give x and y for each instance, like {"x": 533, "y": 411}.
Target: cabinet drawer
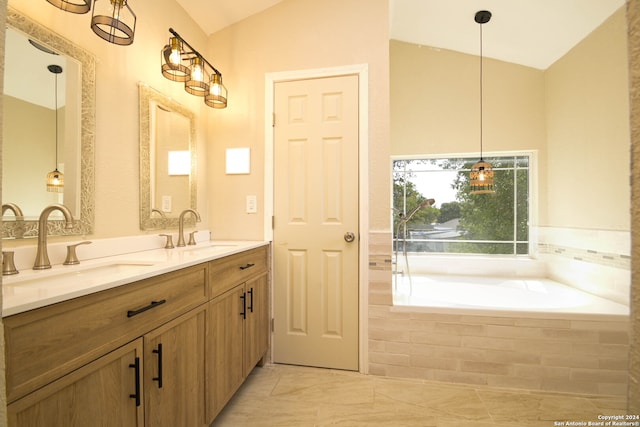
{"x": 46, "y": 343}
{"x": 227, "y": 272}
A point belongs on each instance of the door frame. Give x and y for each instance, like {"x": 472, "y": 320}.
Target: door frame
{"x": 362, "y": 71}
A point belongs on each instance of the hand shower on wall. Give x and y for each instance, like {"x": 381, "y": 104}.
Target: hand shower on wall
{"x": 402, "y": 224}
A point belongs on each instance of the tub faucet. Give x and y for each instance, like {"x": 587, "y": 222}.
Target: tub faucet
{"x": 42, "y": 257}
{"x": 181, "y": 225}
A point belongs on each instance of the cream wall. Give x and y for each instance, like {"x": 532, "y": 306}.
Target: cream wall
{"x": 32, "y": 148}
{"x": 435, "y": 103}
{"x": 118, "y": 71}
{"x": 293, "y": 35}
{"x": 588, "y": 140}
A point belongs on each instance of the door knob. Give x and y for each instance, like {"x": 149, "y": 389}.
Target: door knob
{"x": 349, "y": 237}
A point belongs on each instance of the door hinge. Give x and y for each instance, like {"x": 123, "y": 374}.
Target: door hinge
{"x": 273, "y": 222}
{"x": 273, "y": 328}
{"x": 273, "y": 119}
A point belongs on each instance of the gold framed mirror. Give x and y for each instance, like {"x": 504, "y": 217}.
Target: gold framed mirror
{"x": 80, "y": 196}
{"x": 168, "y": 160}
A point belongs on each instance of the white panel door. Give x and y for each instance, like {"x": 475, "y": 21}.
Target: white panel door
{"x": 316, "y": 222}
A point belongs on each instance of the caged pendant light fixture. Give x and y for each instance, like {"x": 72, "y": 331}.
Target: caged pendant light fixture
{"x": 481, "y": 175}
{"x": 114, "y": 21}
{"x": 80, "y": 6}
{"x": 55, "y": 178}
{"x": 189, "y": 66}
{"x": 111, "y": 20}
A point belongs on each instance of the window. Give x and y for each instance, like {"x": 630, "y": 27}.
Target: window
{"x": 460, "y": 222}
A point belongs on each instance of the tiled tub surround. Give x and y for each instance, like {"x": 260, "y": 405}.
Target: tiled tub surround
{"x": 595, "y": 261}
{"x": 564, "y": 352}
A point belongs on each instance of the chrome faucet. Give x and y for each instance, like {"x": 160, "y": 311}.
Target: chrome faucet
{"x": 181, "y": 226}
{"x": 42, "y": 258}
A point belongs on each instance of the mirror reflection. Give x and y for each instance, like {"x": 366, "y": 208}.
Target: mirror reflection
{"x": 167, "y": 160}
{"x": 39, "y": 125}
{"x": 48, "y": 126}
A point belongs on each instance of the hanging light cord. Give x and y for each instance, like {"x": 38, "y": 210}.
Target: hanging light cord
{"x": 56, "y": 104}
{"x": 481, "y": 92}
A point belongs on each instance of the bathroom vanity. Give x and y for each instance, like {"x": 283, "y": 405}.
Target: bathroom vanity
{"x": 165, "y": 338}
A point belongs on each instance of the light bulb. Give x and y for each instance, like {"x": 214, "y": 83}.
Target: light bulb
{"x": 196, "y": 70}
{"x": 117, "y": 5}
{"x": 175, "y": 57}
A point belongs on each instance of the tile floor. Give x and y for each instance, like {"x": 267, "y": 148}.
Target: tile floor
{"x": 282, "y": 395}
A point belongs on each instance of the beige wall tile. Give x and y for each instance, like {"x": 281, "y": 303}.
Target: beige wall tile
{"x": 613, "y": 337}
{"x": 488, "y": 343}
{"x": 389, "y": 359}
{"x": 433, "y": 363}
{"x": 486, "y": 367}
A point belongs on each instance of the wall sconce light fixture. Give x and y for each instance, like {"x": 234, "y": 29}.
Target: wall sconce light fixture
{"x": 189, "y": 66}
{"x": 112, "y": 20}
{"x": 481, "y": 174}
{"x": 55, "y": 178}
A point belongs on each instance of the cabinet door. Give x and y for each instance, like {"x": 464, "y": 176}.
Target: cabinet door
{"x": 225, "y": 326}
{"x": 257, "y": 322}
{"x": 105, "y": 392}
{"x": 174, "y": 372}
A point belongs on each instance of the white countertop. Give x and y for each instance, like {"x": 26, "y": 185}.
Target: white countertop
{"x": 31, "y": 289}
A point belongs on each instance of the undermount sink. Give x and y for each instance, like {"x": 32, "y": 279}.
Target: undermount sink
{"x": 212, "y": 247}
{"x": 62, "y": 275}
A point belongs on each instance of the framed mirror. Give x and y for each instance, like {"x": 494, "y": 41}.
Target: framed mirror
{"x": 67, "y": 133}
{"x": 167, "y": 160}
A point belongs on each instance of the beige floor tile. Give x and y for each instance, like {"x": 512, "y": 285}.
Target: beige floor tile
{"x": 282, "y": 395}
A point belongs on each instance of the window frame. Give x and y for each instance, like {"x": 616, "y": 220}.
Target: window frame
{"x": 532, "y": 207}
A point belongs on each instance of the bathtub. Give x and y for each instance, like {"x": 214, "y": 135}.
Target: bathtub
{"x": 536, "y": 295}
{"x": 534, "y": 334}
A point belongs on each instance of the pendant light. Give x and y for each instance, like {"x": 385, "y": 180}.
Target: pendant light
{"x": 55, "y": 178}
{"x": 481, "y": 175}
{"x": 114, "y": 21}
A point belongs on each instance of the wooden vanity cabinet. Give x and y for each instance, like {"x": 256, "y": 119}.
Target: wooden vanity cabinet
{"x": 174, "y": 357}
{"x": 237, "y": 324}
{"x": 98, "y": 394}
{"x": 165, "y": 351}
{"x": 120, "y": 385}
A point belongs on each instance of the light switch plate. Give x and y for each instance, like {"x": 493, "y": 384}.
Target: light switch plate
{"x": 252, "y": 204}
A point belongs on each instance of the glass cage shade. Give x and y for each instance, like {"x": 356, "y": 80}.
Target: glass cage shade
{"x": 481, "y": 177}
{"x": 217, "y": 96}
{"x": 114, "y": 21}
{"x": 55, "y": 181}
{"x": 196, "y": 84}
{"x": 171, "y": 59}
{"x": 80, "y": 6}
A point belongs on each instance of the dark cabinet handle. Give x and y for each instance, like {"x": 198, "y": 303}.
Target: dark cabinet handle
{"x": 244, "y": 267}
{"x": 153, "y": 304}
{"x": 251, "y": 300}
{"x": 244, "y": 305}
{"x": 158, "y": 351}
{"x": 136, "y": 366}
